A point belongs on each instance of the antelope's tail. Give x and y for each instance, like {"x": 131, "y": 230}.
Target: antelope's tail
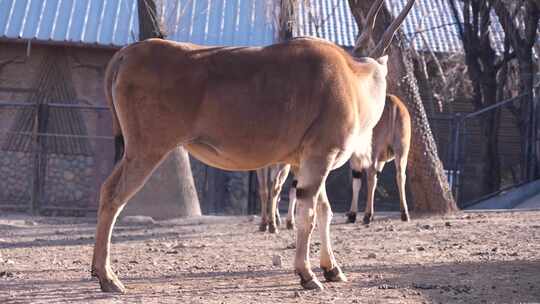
{"x": 110, "y": 78}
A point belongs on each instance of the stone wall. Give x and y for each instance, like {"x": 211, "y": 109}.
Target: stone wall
{"x": 15, "y": 177}
{"x": 69, "y": 178}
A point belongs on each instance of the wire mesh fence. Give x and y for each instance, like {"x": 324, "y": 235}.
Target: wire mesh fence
{"x": 482, "y": 151}
{"x": 54, "y": 157}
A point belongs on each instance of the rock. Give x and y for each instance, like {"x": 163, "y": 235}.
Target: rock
{"x": 409, "y": 249}
{"x": 30, "y": 223}
{"x": 424, "y": 286}
{"x": 387, "y": 286}
{"x": 420, "y": 248}
{"x": 68, "y": 175}
{"x": 427, "y": 227}
{"x": 6, "y": 274}
{"x": 372, "y": 256}
{"x": 297, "y": 294}
{"x": 79, "y": 195}
{"x": 277, "y": 261}
{"x": 88, "y": 171}
{"x": 180, "y": 246}
{"x": 137, "y": 220}
{"x": 448, "y": 224}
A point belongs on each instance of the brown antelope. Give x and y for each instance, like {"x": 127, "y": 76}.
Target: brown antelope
{"x": 391, "y": 141}
{"x": 305, "y": 102}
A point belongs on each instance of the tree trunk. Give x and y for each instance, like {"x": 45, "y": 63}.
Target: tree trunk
{"x": 287, "y": 19}
{"x": 148, "y": 21}
{"x": 170, "y": 191}
{"x": 422, "y": 79}
{"x": 523, "y": 39}
{"x": 426, "y": 177}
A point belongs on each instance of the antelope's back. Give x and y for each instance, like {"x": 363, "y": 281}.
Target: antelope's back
{"x": 247, "y": 103}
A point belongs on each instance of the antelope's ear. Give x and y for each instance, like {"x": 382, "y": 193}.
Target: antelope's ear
{"x": 383, "y": 60}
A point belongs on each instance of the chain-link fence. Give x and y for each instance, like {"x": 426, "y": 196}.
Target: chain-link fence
{"x": 482, "y": 151}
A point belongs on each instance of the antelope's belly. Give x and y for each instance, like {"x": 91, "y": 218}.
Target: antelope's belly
{"x": 234, "y": 157}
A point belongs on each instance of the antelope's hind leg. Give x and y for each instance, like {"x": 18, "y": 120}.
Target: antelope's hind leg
{"x": 126, "y": 179}
{"x": 357, "y": 184}
{"x": 401, "y": 166}
{"x": 292, "y": 205}
{"x": 278, "y": 179}
{"x": 262, "y": 175}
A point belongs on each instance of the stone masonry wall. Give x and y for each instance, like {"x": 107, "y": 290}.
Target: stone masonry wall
{"x": 68, "y": 178}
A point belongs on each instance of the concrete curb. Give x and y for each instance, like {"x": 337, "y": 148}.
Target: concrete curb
{"x": 510, "y": 198}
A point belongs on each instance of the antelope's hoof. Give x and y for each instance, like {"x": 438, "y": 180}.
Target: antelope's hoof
{"x": 334, "y": 275}
{"x": 273, "y": 229}
{"x": 111, "y": 284}
{"x": 290, "y": 225}
{"x": 262, "y": 227}
{"x": 367, "y": 219}
{"x": 351, "y": 217}
{"x": 405, "y": 216}
{"x": 312, "y": 284}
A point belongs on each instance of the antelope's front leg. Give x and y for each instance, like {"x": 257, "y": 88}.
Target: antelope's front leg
{"x": 311, "y": 178}
{"x": 332, "y": 272}
{"x": 305, "y": 223}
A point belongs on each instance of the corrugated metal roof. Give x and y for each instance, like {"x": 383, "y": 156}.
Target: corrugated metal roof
{"x": 219, "y": 22}
{"x": 115, "y": 22}
{"x": 333, "y": 20}
{"x": 101, "y": 22}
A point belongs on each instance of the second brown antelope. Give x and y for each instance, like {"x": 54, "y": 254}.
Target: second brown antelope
{"x": 305, "y": 102}
{"x": 391, "y": 141}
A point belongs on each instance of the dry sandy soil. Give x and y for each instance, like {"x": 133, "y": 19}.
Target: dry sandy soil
{"x": 467, "y": 258}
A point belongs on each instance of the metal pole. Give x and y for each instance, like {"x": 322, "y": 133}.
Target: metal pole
{"x": 458, "y": 119}
{"x": 534, "y": 135}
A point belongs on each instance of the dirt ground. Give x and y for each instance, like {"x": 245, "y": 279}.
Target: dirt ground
{"x": 488, "y": 257}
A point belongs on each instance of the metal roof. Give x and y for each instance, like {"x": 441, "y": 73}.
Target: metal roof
{"x": 99, "y": 22}
{"x": 115, "y": 22}
{"x": 333, "y": 20}
{"x": 219, "y": 22}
